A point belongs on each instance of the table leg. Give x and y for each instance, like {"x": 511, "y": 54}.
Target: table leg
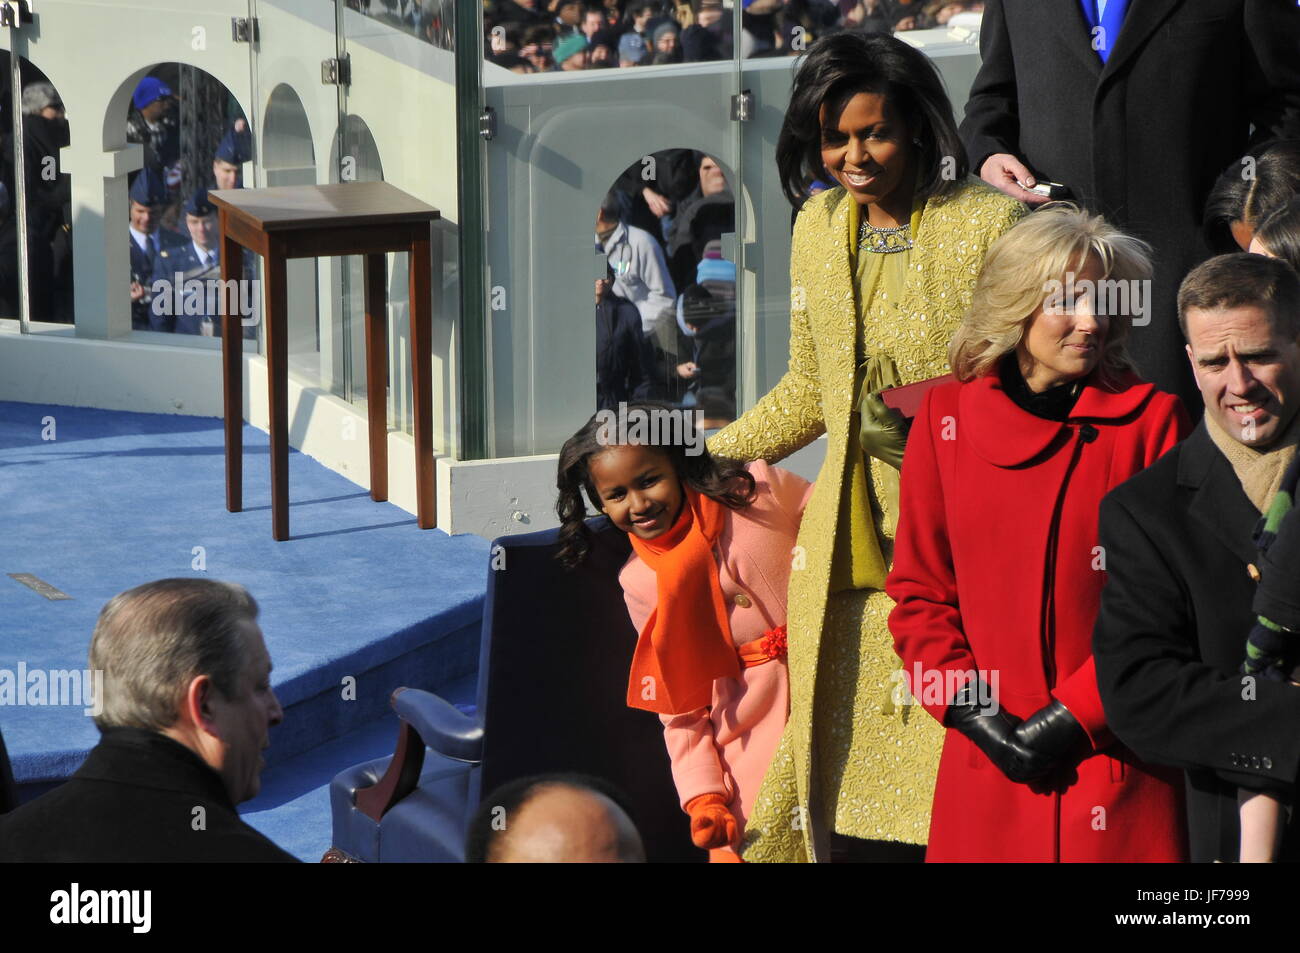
{"x": 277, "y": 375}
{"x": 232, "y": 366}
{"x": 376, "y": 295}
{"x": 422, "y": 375}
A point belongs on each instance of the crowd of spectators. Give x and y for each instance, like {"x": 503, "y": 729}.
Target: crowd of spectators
{"x": 661, "y": 229}
{"x": 537, "y": 36}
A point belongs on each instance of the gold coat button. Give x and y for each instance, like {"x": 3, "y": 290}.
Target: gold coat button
{"x": 742, "y": 600}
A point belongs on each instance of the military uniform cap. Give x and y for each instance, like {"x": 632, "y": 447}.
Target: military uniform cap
{"x": 148, "y": 188}
{"x": 235, "y": 148}
{"x": 198, "y": 204}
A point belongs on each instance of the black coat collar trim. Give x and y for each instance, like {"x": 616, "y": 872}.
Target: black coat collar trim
{"x": 144, "y": 758}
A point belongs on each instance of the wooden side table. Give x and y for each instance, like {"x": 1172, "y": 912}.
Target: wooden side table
{"x": 352, "y": 218}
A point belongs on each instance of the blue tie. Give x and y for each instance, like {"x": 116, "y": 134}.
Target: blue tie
{"x": 1110, "y": 17}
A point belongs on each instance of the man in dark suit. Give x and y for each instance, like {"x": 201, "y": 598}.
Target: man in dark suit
{"x": 1177, "y": 608}
{"x": 184, "y": 718}
{"x": 1135, "y": 106}
{"x": 188, "y": 278}
{"x": 148, "y": 195}
{"x": 235, "y": 149}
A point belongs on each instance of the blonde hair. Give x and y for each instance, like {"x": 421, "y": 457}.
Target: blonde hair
{"x": 1019, "y": 269}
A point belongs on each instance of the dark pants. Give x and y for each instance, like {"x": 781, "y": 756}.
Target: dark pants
{"x": 855, "y": 850}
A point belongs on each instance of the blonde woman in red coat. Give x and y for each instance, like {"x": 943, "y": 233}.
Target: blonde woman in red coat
{"x": 997, "y": 573}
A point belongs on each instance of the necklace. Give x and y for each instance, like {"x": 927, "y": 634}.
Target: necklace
{"x": 884, "y": 241}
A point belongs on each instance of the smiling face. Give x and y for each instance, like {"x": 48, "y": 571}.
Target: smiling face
{"x": 1248, "y": 372}
{"x": 243, "y": 723}
{"x": 203, "y": 229}
{"x": 142, "y": 218}
{"x": 638, "y": 489}
{"x": 869, "y": 151}
{"x": 1064, "y": 339}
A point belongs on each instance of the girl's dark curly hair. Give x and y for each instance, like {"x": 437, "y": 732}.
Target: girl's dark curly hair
{"x": 718, "y": 478}
{"x": 836, "y": 68}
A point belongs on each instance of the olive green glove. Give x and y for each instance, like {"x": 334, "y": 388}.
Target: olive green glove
{"x": 882, "y": 430}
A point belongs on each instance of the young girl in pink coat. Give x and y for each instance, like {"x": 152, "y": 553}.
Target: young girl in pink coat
{"x": 713, "y": 545}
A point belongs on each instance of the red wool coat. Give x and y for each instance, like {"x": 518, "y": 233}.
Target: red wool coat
{"x": 997, "y": 568}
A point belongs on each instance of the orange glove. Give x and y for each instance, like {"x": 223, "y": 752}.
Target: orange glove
{"x": 712, "y": 825}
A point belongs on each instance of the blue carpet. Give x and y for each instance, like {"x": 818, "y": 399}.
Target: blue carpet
{"x": 117, "y": 499}
{"x": 293, "y": 808}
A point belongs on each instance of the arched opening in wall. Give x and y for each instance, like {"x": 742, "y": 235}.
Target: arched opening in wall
{"x": 195, "y": 137}
{"x": 289, "y": 158}
{"x": 48, "y": 190}
{"x": 666, "y": 307}
{"x": 355, "y": 158}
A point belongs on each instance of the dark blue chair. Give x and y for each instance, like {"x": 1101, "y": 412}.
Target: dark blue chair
{"x": 553, "y": 669}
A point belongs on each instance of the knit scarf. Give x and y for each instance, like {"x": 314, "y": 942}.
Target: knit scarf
{"x": 1260, "y": 471}
{"x": 686, "y": 642}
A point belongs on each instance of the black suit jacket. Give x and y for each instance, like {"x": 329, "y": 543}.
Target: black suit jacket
{"x": 1141, "y": 139}
{"x": 142, "y": 265}
{"x": 1171, "y": 636}
{"x": 134, "y": 799}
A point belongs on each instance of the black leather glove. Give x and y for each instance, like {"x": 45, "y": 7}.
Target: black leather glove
{"x": 1054, "y": 733}
{"x": 995, "y": 735}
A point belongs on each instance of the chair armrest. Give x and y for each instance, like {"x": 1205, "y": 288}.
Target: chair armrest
{"x": 440, "y": 725}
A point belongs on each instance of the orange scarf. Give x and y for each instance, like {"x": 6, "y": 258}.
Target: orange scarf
{"x": 686, "y": 642}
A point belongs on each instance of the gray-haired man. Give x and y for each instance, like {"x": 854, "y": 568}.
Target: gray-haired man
{"x": 187, "y": 708}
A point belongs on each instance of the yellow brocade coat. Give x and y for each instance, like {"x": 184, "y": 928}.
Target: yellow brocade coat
{"x": 850, "y": 760}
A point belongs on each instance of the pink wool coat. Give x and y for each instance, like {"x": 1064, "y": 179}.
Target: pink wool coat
{"x": 725, "y": 748}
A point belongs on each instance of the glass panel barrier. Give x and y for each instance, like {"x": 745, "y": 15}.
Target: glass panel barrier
{"x": 667, "y": 150}
{"x": 299, "y": 139}
{"x": 397, "y": 123}
{"x": 622, "y": 150}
